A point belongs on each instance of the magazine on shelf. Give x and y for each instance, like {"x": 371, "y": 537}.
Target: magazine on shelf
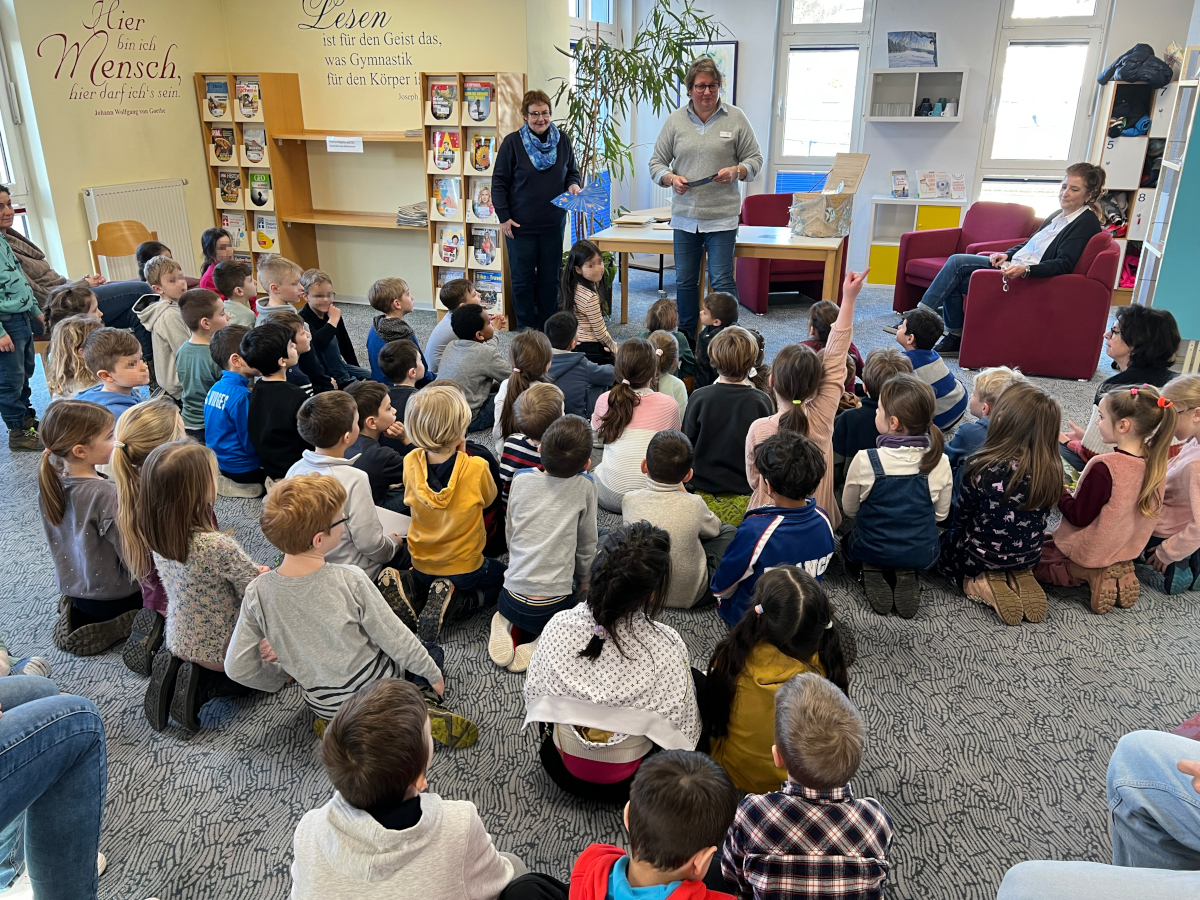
{"x": 442, "y": 98}
{"x": 481, "y": 199}
{"x": 484, "y": 242}
{"x": 483, "y": 151}
{"x": 445, "y": 149}
{"x": 229, "y": 183}
{"x": 222, "y": 143}
{"x": 450, "y": 244}
{"x": 445, "y": 275}
{"x": 255, "y": 141}
{"x": 245, "y": 259}
{"x": 478, "y": 97}
{"x": 266, "y": 231}
{"x": 235, "y": 224}
{"x": 216, "y": 96}
{"x": 926, "y": 184}
{"x": 943, "y": 185}
{"x": 247, "y": 96}
{"x": 900, "y": 183}
{"x": 260, "y": 188}
{"x": 415, "y": 214}
{"x": 491, "y": 290}
{"x": 446, "y": 194}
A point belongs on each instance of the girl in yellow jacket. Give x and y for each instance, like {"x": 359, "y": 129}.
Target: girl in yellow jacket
{"x": 787, "y": 631}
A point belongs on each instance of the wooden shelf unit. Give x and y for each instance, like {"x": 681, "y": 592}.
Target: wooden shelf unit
{"x": 908, "y": 87}
{"x": 504, "y": 116}
{"x": 892, "y": 217}
{"x": 393, "y": 137}
{"x": 349, "y": 219}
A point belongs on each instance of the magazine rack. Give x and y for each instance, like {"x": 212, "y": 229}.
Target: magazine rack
{"x": 466, "y": 116}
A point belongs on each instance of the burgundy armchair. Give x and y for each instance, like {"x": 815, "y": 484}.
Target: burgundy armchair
{"x": 756, "y": 277}
{"x": 1047, "y": 326}
{"x": 986, "y": 227}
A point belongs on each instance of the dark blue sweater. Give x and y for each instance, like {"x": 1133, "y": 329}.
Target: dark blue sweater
{"x": 522, "y": 193}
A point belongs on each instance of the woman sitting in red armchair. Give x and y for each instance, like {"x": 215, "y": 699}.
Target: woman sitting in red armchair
{"x": 1053, "y": 249}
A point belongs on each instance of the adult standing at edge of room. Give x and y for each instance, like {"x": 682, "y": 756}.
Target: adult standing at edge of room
{"x": 534, "y": 165}
{"x": 704, "y": 138}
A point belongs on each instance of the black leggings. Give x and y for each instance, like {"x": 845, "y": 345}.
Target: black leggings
{"x": 89, "y": 612}
{"x": 535, "y": 887}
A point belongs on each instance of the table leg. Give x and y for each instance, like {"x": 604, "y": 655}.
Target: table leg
{"x": 624, "y": 264}
{"x": 833, "y": 268}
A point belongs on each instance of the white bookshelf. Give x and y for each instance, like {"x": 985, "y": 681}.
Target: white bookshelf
{"x": 896, "y": 94}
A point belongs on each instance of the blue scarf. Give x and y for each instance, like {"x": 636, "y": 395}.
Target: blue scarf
{"x": 542, "y": 153}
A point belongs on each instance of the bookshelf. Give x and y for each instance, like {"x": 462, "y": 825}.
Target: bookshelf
{"x": 896, "y": 94}
{"x": 465, "y": 117}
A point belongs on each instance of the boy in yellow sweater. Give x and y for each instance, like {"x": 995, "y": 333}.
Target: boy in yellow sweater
{"x": 447, "y": 492}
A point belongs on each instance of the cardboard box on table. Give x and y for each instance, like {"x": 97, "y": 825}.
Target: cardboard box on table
{"x": 828, "y": 213}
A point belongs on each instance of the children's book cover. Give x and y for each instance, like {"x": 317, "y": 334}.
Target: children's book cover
{"x": 260, "y": 188}
{"x": 247, "y": 96}
{"x": 216, "y": 95}
{"x": 266, "y": 231}
{"x": 450, "y": 244}
{"x": 483, "y": 151}
{"x": 255, "y": 140}
{"x": 222, "y": 143}
{"x": 478, "y": 97}
{"x": 235, "y": 224}
{"x": 483, "y": 244}
{"x": 481, "y": 199}
{"x": 445, "y": 149}
{"x": 900, "y": 183}
{"x": 491, "y": 289}
{"x": 445, "y": 275}
{"x": 446, "y": 194}
{"x": 442, "y": 98}
{"x": 229, "y": 183}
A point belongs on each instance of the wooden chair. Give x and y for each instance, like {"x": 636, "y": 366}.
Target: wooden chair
{"x": 118, "y": 239}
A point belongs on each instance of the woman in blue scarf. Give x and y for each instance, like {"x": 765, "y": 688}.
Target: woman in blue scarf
{"x": 534, "y": 165}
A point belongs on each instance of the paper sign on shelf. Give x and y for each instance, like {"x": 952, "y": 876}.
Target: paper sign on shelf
{"x": 343, "y": 144}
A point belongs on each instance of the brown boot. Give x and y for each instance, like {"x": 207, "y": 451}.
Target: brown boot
{"x": 1033, "y": 596}
{"x": 982, "y": 589}
{"x": 88, "y": 640}
{"x": 1103, "y": 585}
{"x": 1128, "y": 586}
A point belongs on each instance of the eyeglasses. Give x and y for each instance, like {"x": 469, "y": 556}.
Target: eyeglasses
{"x": 537, "y": 115}
{"x": 1115, "y": 331}
{"x": 705, "y": 88}
{"x": 340, "y": 521}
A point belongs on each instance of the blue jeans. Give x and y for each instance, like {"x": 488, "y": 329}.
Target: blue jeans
{"x": 54, "y": 772}
{"x": 688, "y": 247}
{"x": 16, "y": 368}
{"x": 945, "y": 294}
{"x": 116, "y": 302}
{"x": 438, "y": 655}
{"x": 1155, "y": 818}
{"x": 535, "y": 260}
{"x": 341, "y": 370}
{"x": 15, "y": 690}
{"x": 486, "y": 417}
{"x": 479, "y": 588}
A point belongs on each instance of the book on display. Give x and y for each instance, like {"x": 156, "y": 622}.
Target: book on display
{"x": 260, "y": 188}
{"x": 222, "y": 143}
{"x": 484, "y": 244}
{"x": 483, "y": 151}
{"x": 266, "y": 231}
{"x": 235, "y": 224}
{"x": 255, "y": 142}
{"x": 491, "y": 290}
{"x": 442, "y": 97}
{"x": 216, "y": 97}
{"x": 445, "y": 149}
{"x": 446, "y": 195}
{"x": 229, "y": 184}
{"x": 450, "y": 244}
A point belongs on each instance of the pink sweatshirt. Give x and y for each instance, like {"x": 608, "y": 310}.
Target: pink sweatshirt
{"x": 1181, "y": 506}
{"x": 821, "y": 409}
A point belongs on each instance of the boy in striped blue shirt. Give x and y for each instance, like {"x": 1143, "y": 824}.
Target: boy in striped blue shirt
{"x": 920, "y": 330}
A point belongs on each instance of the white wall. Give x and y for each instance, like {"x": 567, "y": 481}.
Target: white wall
{"x": 1193, "y": 36}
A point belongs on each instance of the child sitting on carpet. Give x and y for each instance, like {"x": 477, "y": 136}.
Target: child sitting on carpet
{"x": 625, "y": 419}
{"x": 989, "y": 385}
{"x": 100, "y": 596}
{"x": 920, "y": 330}
{"x": 667, "y": 351}
{"x": 898, "y": 492}
{"x": 854, "y": 429}
{"x": 1108, "y": 522}
{"x": 821, "y": 316}
{"x": 537, "y": 409}
{"x": 760, "y": 373}
{"x": 788, "y": 631}
{"x": 1008, "y": 487}
{"x": 67, "y": 373}
{"x": 843, "y": 840}
{"x": 582, "y": 273}
{"x": 663, "y": 315}
{"x": 531, "y": 354}
{"x": 718, "y": 311}
{"x": 621, "y": 679}
{"x": 1175, "y": 548}
{"x": 383, "y": 834}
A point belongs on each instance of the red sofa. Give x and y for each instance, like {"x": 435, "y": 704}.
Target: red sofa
{"x": 758, "y": 277}
{"x": 923, "y": 253}
{"x": 1047, "y": 326}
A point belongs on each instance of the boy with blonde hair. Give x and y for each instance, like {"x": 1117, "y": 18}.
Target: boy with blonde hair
{"x": 115, "y": 356}
{"x": 327, "y": 624}
{"x": 391, "y": 298}
{"x": 447, "y": 491}
{"x": 159, "y": 314}
{"x": 204, "y": 314}
{"x": 811, "y": 838}
{"x": 281, "y": 278}
{"x": 331, "y": 340}
{"x": 989, "y": 385}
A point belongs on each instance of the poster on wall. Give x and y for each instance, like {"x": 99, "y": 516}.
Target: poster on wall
{"x": 912, "y": 49}
{"x": 724, "y": 54}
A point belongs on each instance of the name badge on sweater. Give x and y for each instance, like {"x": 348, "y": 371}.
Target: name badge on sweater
{"x": 726, "y": 134}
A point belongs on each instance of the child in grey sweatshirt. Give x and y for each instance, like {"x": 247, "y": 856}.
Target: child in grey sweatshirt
{"x": 476, "y": 365}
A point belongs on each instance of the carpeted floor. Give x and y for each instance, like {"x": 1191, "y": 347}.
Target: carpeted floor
{"x": 987, "y": 745}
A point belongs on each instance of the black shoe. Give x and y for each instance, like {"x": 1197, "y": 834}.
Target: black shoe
{"x": 398, "y": 589}
{"x": 846, "y": 638}
{"x": 879, "y": 592}
{"x": 144, "y": 640}
{"x": 160, "y": 689}
{"x": 31, "y": 421}
{"x": 441, "y": 594}
{"x": 186, "y": 703}
{"x": 948, "y": 345}
{"x": 908, "y": 593}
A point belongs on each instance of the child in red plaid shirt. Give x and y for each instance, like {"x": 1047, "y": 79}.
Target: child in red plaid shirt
{"x": 812, "y": 838}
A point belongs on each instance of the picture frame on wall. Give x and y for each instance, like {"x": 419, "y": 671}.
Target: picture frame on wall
{"x": 912, "y": 49}
{"x": 725, "y": 55}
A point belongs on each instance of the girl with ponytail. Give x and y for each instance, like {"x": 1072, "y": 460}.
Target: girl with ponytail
{"x": 807, "y": 392}
{"x": 625, "y": 419}
{"x": 667, "y": 382}
{"x": 789, "y": 630}
{"x": 100, "y": 596}
{"x": 620, "y": 678}
{"x": 1110, "y": 518}
{"x": 1175, "y": 548}
{"x": 531, "y": 354}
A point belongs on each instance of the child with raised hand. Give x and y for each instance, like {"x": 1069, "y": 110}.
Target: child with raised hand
{"x": 205, "y": 573}
{"x": 1110, "y": 518}
{"x": 159, "y": 314}
{"x": 115, "y": 356}
{"x": 330, "y": 338}
{"x": 447, "y": 491}
{"x": 663, "y": 315}
{"x": 1008, "y": 487}
{"x": 897, "y": 493}
{"x": 578, "y": 293}
{"x": 538, "y": 407}
{"x": 791, "y": 530}
{"x": 531, "y": 355}
{"x": 969, "y": 437}
{"x": 718, "y": 420}
{"x": 580, "y": 379}
{"x": 377, "y": 751}
{"x": 807, "y": 390}
{"x": 270, "y": 349}
{"x": 667, "y": 352}
{"x": 235, "y": 282}
{"x": 1174, "y": 550}
{"x": 204, "y": 314}
{"x": 551, "y": 540}
{"x": 821, "y": 317}
{"x": 391, "y": 298}
{"x": 607, "y": 679}
{"x": 626, "y": 418}
{"x": 142, "y": 430}
{"x": 75, "y": 299}
{"x": 854, "y": 429}
{"x": 100, "y": 596}
{"x": 383, "y": 464}
{"x": 67, "y": 374}
{"x": 788, "y": 631}
{"x": 326, "y": 624}
{"x": 844, "y": 840}
{"x": 227, "y": 417}
{"x": 917, "y": 335}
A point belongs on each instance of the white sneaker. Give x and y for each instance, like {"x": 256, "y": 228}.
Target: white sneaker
{"x": 500, "y": 642}
{"x": 522, "y": 655}
{"x": 36, "y": 665}
{"x": 101, "y": 864}
{"x": 20, "y": 889}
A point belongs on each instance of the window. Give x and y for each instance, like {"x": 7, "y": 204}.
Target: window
{"x": 1041, "y": 194}
{"x": 1038, "y": 98}
{"x": 826, "y": 12}
{"x": 820, "y": 107}
{"x": 588, "y": 15}
{"x": 12, "y": 161}
{"x": 1053, "y": 9}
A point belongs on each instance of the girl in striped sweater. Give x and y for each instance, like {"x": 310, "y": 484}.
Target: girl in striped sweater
{"x": 625, "y": 420}
{"x": 578, "y": 293}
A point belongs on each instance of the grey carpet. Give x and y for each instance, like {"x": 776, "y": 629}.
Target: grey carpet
{"x": 987, "y": 746}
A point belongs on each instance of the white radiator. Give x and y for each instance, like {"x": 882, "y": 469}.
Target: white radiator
{"x": 159, "y": 205}
{"x": 660, "y": 196}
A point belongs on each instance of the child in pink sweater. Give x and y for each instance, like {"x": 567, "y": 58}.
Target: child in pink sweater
{"x": 1174, "y": 550}
{"x": 1117, "y": 503}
